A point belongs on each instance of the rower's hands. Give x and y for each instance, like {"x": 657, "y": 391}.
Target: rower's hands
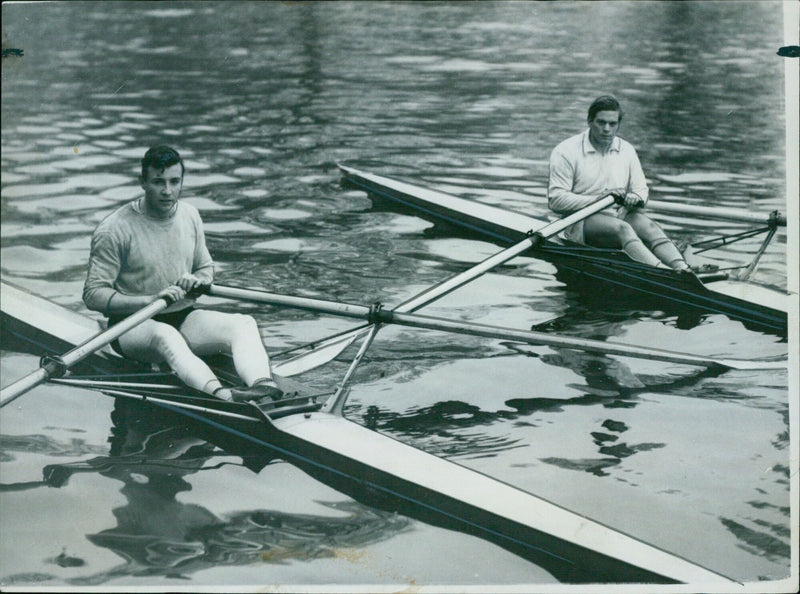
{"x": 627, "y": 199}
{"x": 188, "y": 282}
{"x": 172, "y": 294}
{"x": 193, "y": 285}
{"x": 187, "y": 286}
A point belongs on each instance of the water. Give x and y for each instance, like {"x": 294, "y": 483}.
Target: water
{"x": 263, "y": 99}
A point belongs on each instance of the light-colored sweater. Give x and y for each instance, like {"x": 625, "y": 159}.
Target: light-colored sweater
{"x": 579, "y": 174}
{"x": 134, "y": 254}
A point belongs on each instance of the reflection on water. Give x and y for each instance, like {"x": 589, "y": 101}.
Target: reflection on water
{"x": 42, "y": 444}
{"x": 609, "y": 446}
{"x": 159, "y": 535}
{"x": 205, "y": 541}
{"x": 263, "y": 99}
{"x": 456, "y": 425}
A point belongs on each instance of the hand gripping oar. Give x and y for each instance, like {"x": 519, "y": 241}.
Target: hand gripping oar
{"x": 377, "y": 315}
{"x": 58, "y": 365}
{"x": 534, "y": 238}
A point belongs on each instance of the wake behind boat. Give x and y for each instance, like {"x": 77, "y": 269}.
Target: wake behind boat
{"x": 759, "y": 307}
{"x": 363, "y": 463}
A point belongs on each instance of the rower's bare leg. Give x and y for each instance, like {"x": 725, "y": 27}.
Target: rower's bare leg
{"x": 212, "y": 332}
{"x": 605, "y": 231}
{"x": 155, "y": 342}
{"x": 654, "y": 237}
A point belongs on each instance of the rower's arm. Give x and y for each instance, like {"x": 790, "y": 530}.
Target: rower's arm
{"x": 104, "y": 265}
{"x": 202, "y": 264}
{"x": 99, "y": 293}
{"x": 638, "y": 182}
{"x": 560, "y": 196}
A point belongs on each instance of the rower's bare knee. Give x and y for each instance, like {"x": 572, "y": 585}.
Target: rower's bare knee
{"x": 623, "y": 233}
{"x": 607, "y": 232}
{"x": 647, "y": 229}
{"x": 626, "y": 232}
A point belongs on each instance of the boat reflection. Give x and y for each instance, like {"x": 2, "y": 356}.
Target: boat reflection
{"x": 154, "y": 454}
{"x": 589, "y": 301}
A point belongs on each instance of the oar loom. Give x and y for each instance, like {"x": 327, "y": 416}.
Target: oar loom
{"x": 377, "y": 314}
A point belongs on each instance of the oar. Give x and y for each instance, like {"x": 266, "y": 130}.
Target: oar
{"x": 378, "y": 315}
{"x": 775, "y": 218}
{"x": 334, "y": 345}
{"x": 533, "y": 239}
{"x": 58, "y": 365}
{"x": 189, "y": 403}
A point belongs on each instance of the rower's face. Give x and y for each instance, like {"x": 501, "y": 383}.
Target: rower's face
{"x": 604, "y": 127}
{"x": 162, "y": 188}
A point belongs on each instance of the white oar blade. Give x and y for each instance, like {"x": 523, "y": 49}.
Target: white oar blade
{"x": 320, "y": 355}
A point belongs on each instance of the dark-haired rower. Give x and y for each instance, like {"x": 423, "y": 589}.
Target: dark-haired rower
{"x": 155, "y": 247}
{"x": 596, "y": 162}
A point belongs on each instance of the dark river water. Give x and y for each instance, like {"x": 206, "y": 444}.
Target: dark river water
{"x": 263, "y": 100}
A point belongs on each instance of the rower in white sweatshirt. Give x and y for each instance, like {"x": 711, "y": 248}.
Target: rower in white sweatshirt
{"x": 155, "y": 247}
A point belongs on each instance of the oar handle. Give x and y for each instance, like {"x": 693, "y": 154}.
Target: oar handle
{"x": 318, "y": 305}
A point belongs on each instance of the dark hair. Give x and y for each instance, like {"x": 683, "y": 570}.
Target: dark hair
{"x": 604, "y": 103}
{"x": 160, "y": 157}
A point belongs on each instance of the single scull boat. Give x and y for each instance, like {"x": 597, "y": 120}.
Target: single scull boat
{"x": 360, "y": 461}
{"x": 760, "y": 307}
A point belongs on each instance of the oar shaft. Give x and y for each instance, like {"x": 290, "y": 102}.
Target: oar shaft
{"x": 333, "y": 347}
{"x": 431, "y": 294}
{"x": 80, "y": 352}
{"x": 22, "y": 385}
{"x": 85, "y": 349}
{"x": 730, "y": 214}
{"x": 459, "y": 280}
{"x": 348, "y": 310}
{"x": 434, "y": 323}
{"x": 539, "y": 338}
{"x": 598, "y": 346}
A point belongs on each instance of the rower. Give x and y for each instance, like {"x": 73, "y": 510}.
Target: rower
{"x": 597, "y": 162}
{"x": 155, "y": 247}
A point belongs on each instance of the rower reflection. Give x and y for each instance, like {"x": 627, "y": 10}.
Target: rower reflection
{"x": 609, "y": 381}
{"x": 158, "y": 534}
{"x": 603, "y": 319}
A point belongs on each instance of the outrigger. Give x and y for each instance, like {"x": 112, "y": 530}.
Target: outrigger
{"x": 310, "y": 430}
{"x": 729, "y": 292}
